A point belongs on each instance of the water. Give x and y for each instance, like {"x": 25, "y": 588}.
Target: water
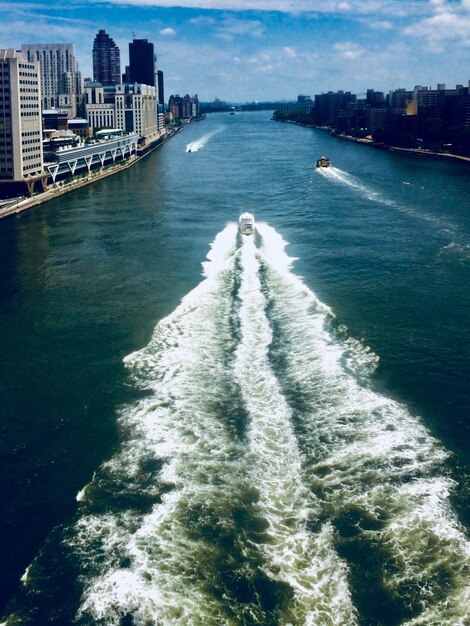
{"x": 200, "y": 428}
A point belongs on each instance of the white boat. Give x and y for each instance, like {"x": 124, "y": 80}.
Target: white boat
{"x": 246, "y": 224}
{"x": 323, "y": 162}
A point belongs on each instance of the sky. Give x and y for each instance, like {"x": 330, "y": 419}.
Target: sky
{"x": 263, "y": 50}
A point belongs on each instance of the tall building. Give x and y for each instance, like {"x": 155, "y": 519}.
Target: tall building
{"x": 21, "y": 156}
{"x": 61, "y": 80}
{"x": 106, "y": 60}
{"x": 161, "y": 92}
{"x": 142, "y": 62}
{"x": 328, "y": 105}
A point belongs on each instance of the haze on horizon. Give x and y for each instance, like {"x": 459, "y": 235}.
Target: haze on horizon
{"x": 244, "y": 50}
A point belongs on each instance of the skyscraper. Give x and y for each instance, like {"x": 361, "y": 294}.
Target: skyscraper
{"x": 106, "y": 60}
{"x": 61, "y": 81}
{"x": 21, "y": 157}
{"x": 142, "y": 62}
{"x": 161, "y": 93}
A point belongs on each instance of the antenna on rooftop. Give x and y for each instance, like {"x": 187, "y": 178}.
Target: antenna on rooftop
{"x": 133, "y": 34}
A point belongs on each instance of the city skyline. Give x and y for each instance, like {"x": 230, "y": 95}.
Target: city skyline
{"x": 237, "y": 51}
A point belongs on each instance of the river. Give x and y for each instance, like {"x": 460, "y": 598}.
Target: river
{"x": 200, "y": 428}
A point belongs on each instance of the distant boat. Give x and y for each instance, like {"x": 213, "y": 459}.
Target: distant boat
{"x": 323, "y": 162}
{"x": 246, "y": 224}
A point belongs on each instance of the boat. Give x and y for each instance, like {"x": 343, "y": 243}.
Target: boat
{"x": 323, "y": 162}
{"x": 246, "y": 224}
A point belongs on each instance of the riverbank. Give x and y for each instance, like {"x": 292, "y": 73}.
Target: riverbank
{"x": 59, "y": 189}
{"x": 418, "y": 152}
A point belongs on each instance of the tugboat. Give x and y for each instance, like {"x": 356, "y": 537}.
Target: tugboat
{"x": 246, "y": 224}
{"x": 323, "y": 162}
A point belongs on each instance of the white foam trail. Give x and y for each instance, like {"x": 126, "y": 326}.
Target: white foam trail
{"x": 368, "y": 454}
{"x": 221, "y": 251}
{"x": 342, "y": 177}
{"x": 346, "y": 179}
{"x": 25, "y": 576}
{"x": 165, "y": 579}
{"x": 315, "y": 443}
{"x": 307, "y": 563}
{"x": 197, "y": 144}
{"x": 455, "y": 250}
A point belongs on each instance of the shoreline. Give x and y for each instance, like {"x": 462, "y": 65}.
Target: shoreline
{"x": 59, "y": 190}
{"x": 419, "y": 152}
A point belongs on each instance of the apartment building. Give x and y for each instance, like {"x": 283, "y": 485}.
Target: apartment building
{"x": 21, "y": 155}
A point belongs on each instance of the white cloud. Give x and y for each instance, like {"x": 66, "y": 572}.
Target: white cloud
{"x": 230, "y": 27}
{"x": 349, "y": 51}
{"x": 168, "y": 32}
{"x": 202, "y": 19}
{"x": 290, "y": 52}
{"x": 264, "y": 69}
{"x": 441, "y": 28}
{"x": 381, "y": 25}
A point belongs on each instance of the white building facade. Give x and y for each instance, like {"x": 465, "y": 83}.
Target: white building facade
{"x": 21, "y": 154}
{"x": 131, "y": 107}
{"x": 137, "y": 108}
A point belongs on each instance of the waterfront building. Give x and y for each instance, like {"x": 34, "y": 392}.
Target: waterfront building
{"x": 142, "y": 62}
{"x": 130, "y": 107}
{"x": 21, "y": 156}
{"x": 375, "y": 98}
{"x": 61, "y": 80}
{"x": 399, "y": 100}
{"x": 375, "y": 117}
{"x": 106, "y": 60}
{"x": 137, "y": 109}
{"x": 183, "y": 107}
{"x": 328, "y": 105}
{"x": 78, "y": 158}
{"x": 304, "y": 105}
{"x": 99, "y": 107}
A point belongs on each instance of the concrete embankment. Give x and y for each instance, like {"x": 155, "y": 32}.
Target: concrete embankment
{"x": 59, "y": 189}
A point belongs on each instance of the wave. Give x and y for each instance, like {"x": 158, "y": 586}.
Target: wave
{"x": 455, "y": 250}
{"x": 261, "y": 478}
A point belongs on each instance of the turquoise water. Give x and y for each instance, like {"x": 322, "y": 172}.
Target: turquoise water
{"x": 203, "y": 429}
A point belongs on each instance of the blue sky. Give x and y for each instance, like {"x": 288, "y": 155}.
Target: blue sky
{"x": 244, "y": 50}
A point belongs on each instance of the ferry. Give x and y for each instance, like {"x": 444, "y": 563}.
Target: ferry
{"x": 246, "y": 224}
{"x": 323, "y": 162}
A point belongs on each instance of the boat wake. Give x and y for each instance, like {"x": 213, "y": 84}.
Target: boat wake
{"x": 196, "y": 145}
{"x": 344, "y": 178}
{"x": 261, "y": 479}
